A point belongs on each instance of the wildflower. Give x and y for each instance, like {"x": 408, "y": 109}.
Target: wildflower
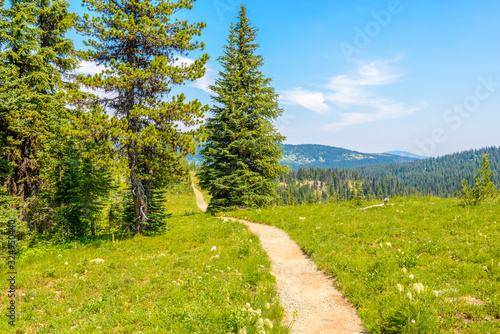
{"x": 214, "y": 248}
{"x": 302, "y": 218}
{"x": 65, "y": 262}
{"x": 243, "y": 331}
{"x": 248, "y": 305}
{"x": 380, "y": 244}
{"x": 418, "y": 287}
{"x": 409, "y": 296}
{"x": 435, "y": 293}
{"x": 388, "y": 244}
{"x": 59, "y": 255}
{"x": 411, "y": 276}
{"x": 412, "y": 321}
{"x": 268, "y": 323}
{"x": 404, "y": 270}
{"x": 267, "y": 306}
{"x": 259, "y": 311}
{"x": 399, "y": 287}
{"x": 70, "y": 310}
{"x": 485, "y": 268}
{"x": 260, "y": 322}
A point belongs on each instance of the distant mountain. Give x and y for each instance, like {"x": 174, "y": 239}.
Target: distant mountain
{"x": 312, "y": 155}
{"x": 406, "y": 154}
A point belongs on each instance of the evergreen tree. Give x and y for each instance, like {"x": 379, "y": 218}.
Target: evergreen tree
{"x": 483, "y": 185}
{"x": 138, "y": 42}
{"x": 242, "y": 152}
{"x": 34, "y": 57}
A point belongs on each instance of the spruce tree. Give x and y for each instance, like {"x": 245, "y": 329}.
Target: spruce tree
{"x": 242, "y": 151}
{"x": 482, "y": 188}
{"x": 34, "y": 58}
{"x": 138, "y": 42}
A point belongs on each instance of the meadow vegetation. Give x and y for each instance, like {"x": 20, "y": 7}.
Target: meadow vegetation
{"x": 423, "y": 265}
{"x": 196, "y": 278}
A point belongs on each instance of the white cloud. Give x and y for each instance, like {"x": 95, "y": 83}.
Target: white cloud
{"x": 90, "y": 67}
{"x": 354, "y": 90}
{"x": 314, "y": 101}
{"x": 204, "y": 82}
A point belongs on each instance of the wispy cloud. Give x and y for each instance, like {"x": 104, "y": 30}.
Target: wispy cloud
{"x": 314, "y": 101}
{"x": 204, "y": 82}
{"x": 90, "y": 67}
{"x": 355, "y": 90}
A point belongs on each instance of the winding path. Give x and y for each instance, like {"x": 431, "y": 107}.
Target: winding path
{"x": 301, "y": 286}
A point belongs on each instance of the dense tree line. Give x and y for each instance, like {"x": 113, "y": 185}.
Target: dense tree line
{"x": 320, "y": 185}
{"x": 442, "y": 176}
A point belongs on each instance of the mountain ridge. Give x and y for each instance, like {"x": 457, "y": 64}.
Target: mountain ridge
{"x": 317, "y": 155}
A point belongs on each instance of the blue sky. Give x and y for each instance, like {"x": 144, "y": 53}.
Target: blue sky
{"x": 420, "y": 76}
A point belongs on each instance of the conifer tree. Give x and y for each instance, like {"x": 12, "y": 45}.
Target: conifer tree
{"x": 138, "y": 42}
{"x": 482, "y": 188}
{"x": 242, "y": 153}
{"x": 34, "y": 57}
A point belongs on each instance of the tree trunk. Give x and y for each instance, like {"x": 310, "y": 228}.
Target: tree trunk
{"x": 138, "y": 191}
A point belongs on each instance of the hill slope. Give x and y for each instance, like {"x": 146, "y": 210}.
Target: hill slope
{"x": 313, "y": 155}
{"x": 406, "y": 154}
{"x": 439, "y": 176}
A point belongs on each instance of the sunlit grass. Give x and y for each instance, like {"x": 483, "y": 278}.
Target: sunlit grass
{"x": 454, "y": 252}
{"x": 196, "y": 278}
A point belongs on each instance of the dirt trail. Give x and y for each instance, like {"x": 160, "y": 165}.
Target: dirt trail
{"x": 199, "y": 199}
{"x": 301, "y": 286}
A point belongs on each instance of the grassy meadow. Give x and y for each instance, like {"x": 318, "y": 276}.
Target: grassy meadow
{"x": 423, "y": 265}
{"x": 196, "y": 278}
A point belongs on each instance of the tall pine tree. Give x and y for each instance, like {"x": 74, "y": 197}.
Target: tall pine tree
{"x": 138, "y": 42}
{"x": 242, "y": 152}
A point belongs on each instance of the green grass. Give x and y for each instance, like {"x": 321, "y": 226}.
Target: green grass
{"x": 454, "y": 252}
{"x": 196, "y": 278}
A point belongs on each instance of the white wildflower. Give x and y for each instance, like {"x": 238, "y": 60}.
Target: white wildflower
{"x": 243, "y": 331}
{"x": 388, "y": 244}
{"x": 485, "y": 268}
{"x": 412, "y": 321}
{"x": 70, "y": 310}
{"x": 411, "y": 276}
{"x": 214, "y": 248}
{"x": 248, "y": 305}
{"x": 404, "y": 270}
{"x": 59, "y": 255}
{"x": 267, "y": 306}
{"x": 409, "y": 296}
{"x": 260, "y": 322}
{"x": 418, "y": 288}
{"x": 268, "y": 323}
{"x": 435, "y": 293}
{"x": 302, "y": 218}
{"x": 65, "y": 262}
{"x": 400, "y": 288}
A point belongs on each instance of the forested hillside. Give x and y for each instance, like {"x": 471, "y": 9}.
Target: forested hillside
{"x": 313, "y": 155}
{"x": 440, "y": 176}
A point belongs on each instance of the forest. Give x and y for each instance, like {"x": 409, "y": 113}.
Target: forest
{"x": 441, "y": 176}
